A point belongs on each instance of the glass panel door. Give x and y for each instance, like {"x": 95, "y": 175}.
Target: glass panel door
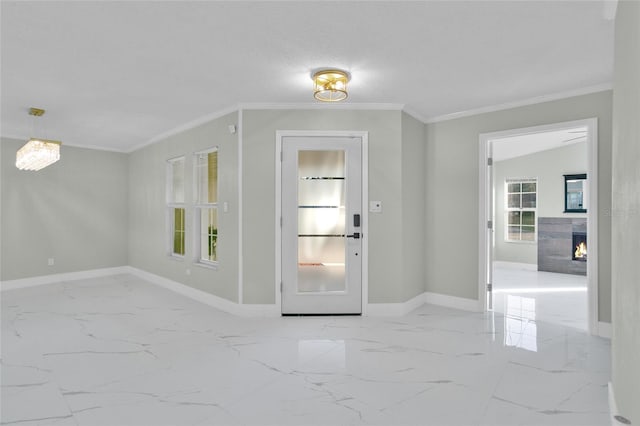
{"x": 321, "y": 229}
{"x": 321, "y": 221}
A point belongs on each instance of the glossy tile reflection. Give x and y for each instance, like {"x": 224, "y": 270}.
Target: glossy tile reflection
{"x": 555, "y": 298}
{"x": 120, "y": 351}
{"x": 520, "y": 328}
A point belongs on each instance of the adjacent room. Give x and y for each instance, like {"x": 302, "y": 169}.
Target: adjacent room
{"x": 319, "y": 213}
{"x": 540, "y": 186}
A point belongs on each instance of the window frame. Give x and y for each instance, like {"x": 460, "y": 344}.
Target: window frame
{"x": 199, "y": 206}
{"x": 507, "y": 210}
{"x": 172, "y": 205}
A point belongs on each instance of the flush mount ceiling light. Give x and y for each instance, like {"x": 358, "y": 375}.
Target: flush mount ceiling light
{"x": 37, "y": 153}
{"x": 330, "y": 85}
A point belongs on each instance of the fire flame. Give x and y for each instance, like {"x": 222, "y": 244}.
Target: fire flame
{"x": 581, "y": 250}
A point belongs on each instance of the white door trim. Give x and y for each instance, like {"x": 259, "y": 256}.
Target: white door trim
{"x": 592, "y": 209}
{"x": 280, "y": 134}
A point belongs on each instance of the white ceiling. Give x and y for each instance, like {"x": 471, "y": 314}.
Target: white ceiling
{"x": 517, "y": 146}
{"x": 117, "y": 75}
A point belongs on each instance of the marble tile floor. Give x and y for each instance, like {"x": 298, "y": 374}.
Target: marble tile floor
{"x": 120, "y": 351}
{"x": 542, "y": 296}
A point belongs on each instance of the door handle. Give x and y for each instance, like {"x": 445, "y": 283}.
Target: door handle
{"x": 355, "y": 236}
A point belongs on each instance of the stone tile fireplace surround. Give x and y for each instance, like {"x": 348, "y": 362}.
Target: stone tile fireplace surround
{"x": 555, "y": 245}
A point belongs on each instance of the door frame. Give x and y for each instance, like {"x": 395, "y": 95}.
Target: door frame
{"x": 484, "y": 209}
{"x": 364, "y": 136}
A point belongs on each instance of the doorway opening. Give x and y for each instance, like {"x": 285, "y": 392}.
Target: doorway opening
{"x": 533, "y": 250}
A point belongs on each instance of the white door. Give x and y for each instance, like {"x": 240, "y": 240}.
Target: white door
{"x": 321, "y": 225}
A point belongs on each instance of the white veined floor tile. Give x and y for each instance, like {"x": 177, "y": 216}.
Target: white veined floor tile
{"x": 120, "y": 351}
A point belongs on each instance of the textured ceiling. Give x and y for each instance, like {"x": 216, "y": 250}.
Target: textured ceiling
{"x": 119, "y": 74}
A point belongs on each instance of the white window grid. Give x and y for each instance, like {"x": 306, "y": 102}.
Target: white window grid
{"x": 520, "y": 209}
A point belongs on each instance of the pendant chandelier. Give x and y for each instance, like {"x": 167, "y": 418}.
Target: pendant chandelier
{"x": 37, "y": 153}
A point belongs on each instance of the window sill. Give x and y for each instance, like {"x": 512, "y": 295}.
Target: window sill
{"x": 176, "y": 257}
{"x": 521, "y": 242}
{"x": 212, "y": 266}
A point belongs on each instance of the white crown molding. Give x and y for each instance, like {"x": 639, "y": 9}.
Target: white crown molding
{"x": 323, "y": 106}
{"x": 96, "y": 148}
{"x": 187, "y": 126}
{"x": 93, "y": 147}
{"x": 521, "y": 103}
{"x": 342, "y": 106}
{"x": 415, "y": 114}
{"x": 270, "y": 106}
{"x": 368, "y": 107}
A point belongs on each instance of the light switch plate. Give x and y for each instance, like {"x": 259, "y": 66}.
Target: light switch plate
{"x": 375, "y": 206}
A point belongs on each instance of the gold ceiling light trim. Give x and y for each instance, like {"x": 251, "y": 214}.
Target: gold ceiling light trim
{"x": 36, "y": 111}
{"x": 37, "y": 153}
{"x": 330, "y": 85}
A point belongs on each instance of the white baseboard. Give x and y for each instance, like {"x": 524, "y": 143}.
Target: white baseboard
{"x": 394, "y": 309}
{"x": 56, "y": 278}
{"x": 500, "y": 264}
{"x": 400, "y": 309}
{"x": 613, "y": 409}
{"x": 604, "y": 330}
{"x": 454, "y": 302}
{"x": 250, "y": 310}
{"x": 253, "y": 310}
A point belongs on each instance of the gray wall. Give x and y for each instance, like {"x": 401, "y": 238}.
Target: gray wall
{"x": 139, "y": 229}
{"x": 451, "y": 163}
{"x": 447, "y": 200}
{"x": 549, "y": 167}
{"x": 413, "y": 204}
{"x": 74, "y": 211}
{"x": 147, "y": 208}
{"x": 396, "y": 150}
{"x": 385, "y": 179}
{"x": 626, "y": 212}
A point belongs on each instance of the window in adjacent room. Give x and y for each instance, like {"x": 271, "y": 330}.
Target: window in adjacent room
{"x": 176, "y": 206}
{"x": 206, "y": 206}
{"x": 520, "y": 208}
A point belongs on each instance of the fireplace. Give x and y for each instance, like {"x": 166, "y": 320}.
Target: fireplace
{"x": 558, "y": 239}
{"x": 579, "y": 250}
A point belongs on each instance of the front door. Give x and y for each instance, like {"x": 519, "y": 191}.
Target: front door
{"x": 321, "y": 225}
